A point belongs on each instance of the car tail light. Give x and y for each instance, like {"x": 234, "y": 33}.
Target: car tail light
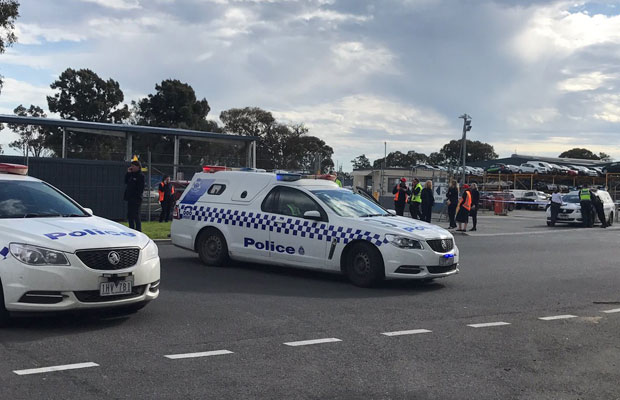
{"x": 175, "y": 213}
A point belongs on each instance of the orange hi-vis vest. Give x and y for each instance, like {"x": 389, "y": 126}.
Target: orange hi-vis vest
{"x": 467, "y": 201}
{"x": 161, "y": 191}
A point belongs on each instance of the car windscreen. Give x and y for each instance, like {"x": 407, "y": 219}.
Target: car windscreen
{"x": 348, "y": 204}
{"x": 28, "y": 199}
{"x": 570, "y": 198}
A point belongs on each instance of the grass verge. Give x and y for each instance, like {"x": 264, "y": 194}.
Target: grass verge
{"x": 155, "y": 229}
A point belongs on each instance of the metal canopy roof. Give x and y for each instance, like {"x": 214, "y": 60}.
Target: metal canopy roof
{"x": 103, "y": 128}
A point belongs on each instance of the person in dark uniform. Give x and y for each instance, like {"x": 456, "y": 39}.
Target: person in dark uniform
{"x": 428, "y": 201}
{"x": 475, "y": 199}
{"x": 134, "y": 179}
{"x": 556, "y": 204}
{"x": 598, "y": 206}
{"x": 415, "y": 199}
{"x": 585, "y": 200}
{"x": 166, "y": 198}
{"x": 452, "y": 198}
{"x": 400, "y": 196}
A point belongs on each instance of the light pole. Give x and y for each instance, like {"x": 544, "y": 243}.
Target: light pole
{"x": 466, "y": 127}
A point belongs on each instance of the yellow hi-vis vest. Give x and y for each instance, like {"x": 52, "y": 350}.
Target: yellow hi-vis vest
{"x": 584, "y": 194}
{"x": 417, "y": 198}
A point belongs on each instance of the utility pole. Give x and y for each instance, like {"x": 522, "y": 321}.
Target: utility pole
{"x": 466, "y": 127}
{"x": 382, "y": 168}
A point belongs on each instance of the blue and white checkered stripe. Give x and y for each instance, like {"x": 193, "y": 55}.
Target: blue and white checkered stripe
{"x": 292, "y": 226}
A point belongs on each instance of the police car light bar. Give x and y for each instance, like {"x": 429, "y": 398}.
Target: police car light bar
{"x": 15, "y": 169}
{"x": 213, "y": 168}
{"x": 286, "y": 177}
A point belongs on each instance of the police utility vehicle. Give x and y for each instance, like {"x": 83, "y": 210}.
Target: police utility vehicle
{"x": 286, "y": 220}
{"x": 56, "y": 256}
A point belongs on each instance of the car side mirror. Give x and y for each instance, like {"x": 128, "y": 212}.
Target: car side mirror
{"x": 313, "y": 214}
{"x": 393, "y": 212}
{"x": 89, "y": 211}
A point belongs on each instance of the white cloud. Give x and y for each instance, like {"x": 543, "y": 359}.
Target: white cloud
{"x": 116, "y": 4}
{"x": 585, "y": 82}
{"x": 609, "y": 108}
{"x": 16, "y": 92}
{"x": 356, "y": 56}
{"x": 331, "y": 16}
{"x": 532, "y": 118}
{"x": 36, "y": 34}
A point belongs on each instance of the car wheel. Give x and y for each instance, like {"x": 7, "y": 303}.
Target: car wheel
{"x": 5, "y": 316}
{"x": 212, "y": 248}
{"x": 610, "y": 222}
{"x": 535, "y": 171}
{"x": 549, "y": 223}
{"x": 364, "y": 265}
{"x": 520, "y": 171}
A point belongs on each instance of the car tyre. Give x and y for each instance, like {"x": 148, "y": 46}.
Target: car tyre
{"x": 364, "y": 267}
{"x": 212, "y": 248}
{"x": 520, "y": 171}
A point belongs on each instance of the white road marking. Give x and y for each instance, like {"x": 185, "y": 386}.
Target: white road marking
{"x": 55, "y": 368}
{"x": 488, "y": 324}
{"x": 615, "y": 310}
{"x": 315, "y": 341}
{"x": 411, "y": 332}
{"x": 549, "y": 231}
{"x": 200, "y": 354}
{"x": 554, "y": 317}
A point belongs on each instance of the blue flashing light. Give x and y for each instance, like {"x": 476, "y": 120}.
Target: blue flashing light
{"x": 448, "y": 256}
{"x": 288, "y": 177}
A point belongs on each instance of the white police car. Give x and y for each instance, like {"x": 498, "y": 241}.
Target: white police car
{"x": 56, "y": 256}
{"x": 311, "y": 223}
{"x": 570, "y": 210}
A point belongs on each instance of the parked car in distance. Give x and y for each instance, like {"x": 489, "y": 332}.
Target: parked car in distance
{"x": 612, "y": 168}
{"x": 585, "y": 171}
{"x": 527, "y": 168}
{"x": 488, "y": 200}
{"x": 599, "y": 170}
{"x": 538, "y": 199}
{"x": 498, "y": 169}
{"x": 513, "y": 169}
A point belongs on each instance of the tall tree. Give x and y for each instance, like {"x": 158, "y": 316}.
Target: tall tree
{"x": 83, "y": 95}
{"x": 173, "y": 105}
{"x": 279, "y": 146}
{"x": 581, "y": 153}
{"x": 476, "y": 151}
{"x": 361, "y": 162}
{"x": 32, "y": 138}
{"x": 9, "y": 11}
{"x": 397, "y": 159}
{"x": 604, "y": 156}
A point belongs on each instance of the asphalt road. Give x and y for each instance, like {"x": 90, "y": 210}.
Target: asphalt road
{"x": 514, "y": 271}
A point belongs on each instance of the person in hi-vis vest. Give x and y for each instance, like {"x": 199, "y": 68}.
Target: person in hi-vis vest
{"x": 166, "y": 198}
{"x": 415, "y": 200}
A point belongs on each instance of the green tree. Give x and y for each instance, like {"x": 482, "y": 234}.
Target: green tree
{"x": 437, "y": 158}
{"x": 398, "y": 159}
{"x": 581, "y": 153}
{"x": 476, "y": 151}
{"x": 279, "y": 146}
{"x": 604, "y": 156}
{"x": 9, "y": 11}
{"x": 32, "y": 138}
{"x": 175, "y": 105}
{"x": 83, "y": 95}
{"x": 361, "y": 162}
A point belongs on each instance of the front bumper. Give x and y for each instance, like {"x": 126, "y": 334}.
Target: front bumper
{"x": 418, "y": 264}
{"x": 73, "y": 287}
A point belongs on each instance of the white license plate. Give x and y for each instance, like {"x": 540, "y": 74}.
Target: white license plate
{"x": 444, "y": 262}
{"x": 562, "y": 216}
{"x": 115, "y": 288}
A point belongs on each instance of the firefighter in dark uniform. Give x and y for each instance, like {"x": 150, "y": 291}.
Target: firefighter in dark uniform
{"x": 400, "y": 196}
{"x": 585, "y": 200}
{"x": 166, "y": 198}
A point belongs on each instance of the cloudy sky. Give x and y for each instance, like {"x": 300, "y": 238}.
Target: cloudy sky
{"x": 538, "y": 77}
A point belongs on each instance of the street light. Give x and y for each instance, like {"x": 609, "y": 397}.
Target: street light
{"x": 466, "y": 127}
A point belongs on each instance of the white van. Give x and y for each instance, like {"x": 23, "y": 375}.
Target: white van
{"x": 309, "y": 223}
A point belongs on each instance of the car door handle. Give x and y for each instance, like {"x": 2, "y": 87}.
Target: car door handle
{"x": 280, "y": 221}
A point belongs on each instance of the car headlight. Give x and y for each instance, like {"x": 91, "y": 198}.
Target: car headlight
{"x": 150, "y": 251}
{"x": 33, "y": 255}
{"x": 403, "y": 242}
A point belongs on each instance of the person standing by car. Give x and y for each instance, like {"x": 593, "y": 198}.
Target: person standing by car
{"x": 597, "y": 202}
{"x": 452, "y": 198}
{"x": 166, "y": 198}
{"x": 556, "y": 203}
{"x": 462, "y": 211}
{"x": 134, "y": 181}
{"x": 475, "y": 200}
{"x": 428, "y": 201}
{"x": 585, "y": 200}
{"x": 400, "y": 196}
{"x": 415, "y": 199}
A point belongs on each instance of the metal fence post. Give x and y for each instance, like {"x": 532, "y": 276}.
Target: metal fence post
{"x": 149, "y": 187}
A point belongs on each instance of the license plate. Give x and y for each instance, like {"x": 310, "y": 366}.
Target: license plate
{"x": 115, "y": 288}
{"x": 562, "y": 216}
{"x": 444, "y": 262}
